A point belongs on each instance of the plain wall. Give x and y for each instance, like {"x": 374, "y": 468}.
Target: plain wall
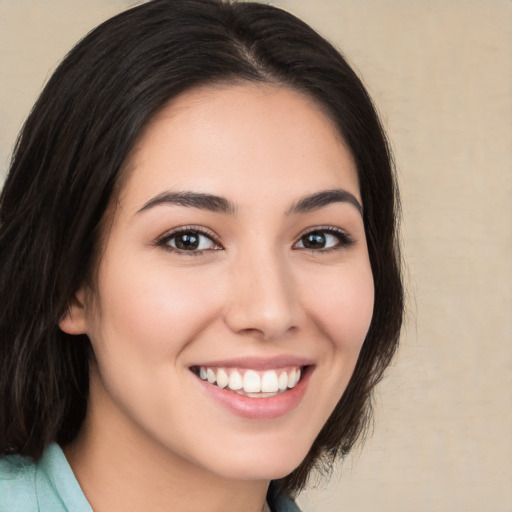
{"x": 440, "y": 72}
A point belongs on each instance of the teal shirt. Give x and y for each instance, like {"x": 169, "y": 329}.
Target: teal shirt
{"x": 49, "y": 485}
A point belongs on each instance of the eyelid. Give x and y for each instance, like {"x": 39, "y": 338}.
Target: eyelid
{"x": 162, "y": 240}
{"x": 345, "y": 239}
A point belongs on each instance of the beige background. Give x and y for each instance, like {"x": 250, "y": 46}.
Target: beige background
{"x": 440, "y": 72}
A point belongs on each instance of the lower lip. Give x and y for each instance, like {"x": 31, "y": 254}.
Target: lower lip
{"x": 259, "y": 408}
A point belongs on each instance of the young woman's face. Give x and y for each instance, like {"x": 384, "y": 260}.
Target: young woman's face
{"x": 236, "y": 259}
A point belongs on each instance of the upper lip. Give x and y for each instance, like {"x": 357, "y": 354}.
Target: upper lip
{"x": 258, "y": 363}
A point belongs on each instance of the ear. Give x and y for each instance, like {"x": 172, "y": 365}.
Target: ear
{"x": 74, "y": 320}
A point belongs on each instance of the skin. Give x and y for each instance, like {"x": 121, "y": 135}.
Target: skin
{"x": 152, "y": 437}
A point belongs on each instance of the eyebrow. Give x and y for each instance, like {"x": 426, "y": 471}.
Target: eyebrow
{"x": 192, "y": 199}
{"x": 219, "y": 204}
{"x": 323, "y": 199}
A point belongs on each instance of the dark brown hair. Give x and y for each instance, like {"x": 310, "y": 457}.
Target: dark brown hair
{"x": 68, "y": 159}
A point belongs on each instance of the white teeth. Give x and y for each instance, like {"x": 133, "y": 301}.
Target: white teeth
{"x": 222, "y": 378}
{"x": 269, "y": 382}
{"x": 235, "y": 381}
{"x": 252, "y": 382}
{"x": 210, "y": 375}
{"x": 291, "y": 378}
{"x": 283, "y": 381}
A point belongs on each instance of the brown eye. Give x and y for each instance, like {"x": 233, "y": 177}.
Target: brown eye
{"x": 314, "y": 241}
{"x": 323, "y": 239}
{"x": 187, "y": 241}
{"x": 190, "y": 241}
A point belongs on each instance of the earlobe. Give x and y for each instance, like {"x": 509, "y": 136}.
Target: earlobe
{"x": 74, "y": 320}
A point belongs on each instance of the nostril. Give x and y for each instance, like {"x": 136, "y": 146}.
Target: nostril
{"x": 261, "y": 325}
{"x": 262, "y": 302}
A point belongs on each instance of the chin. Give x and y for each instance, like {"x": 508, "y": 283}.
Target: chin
{"x": 258, "y": 463}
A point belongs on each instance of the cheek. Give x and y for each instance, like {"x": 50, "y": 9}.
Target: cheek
{"x": 154, "y": 312}
{"x": 342, "y": 306}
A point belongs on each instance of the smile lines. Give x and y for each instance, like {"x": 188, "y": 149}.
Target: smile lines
{"x": 250, "y": 382}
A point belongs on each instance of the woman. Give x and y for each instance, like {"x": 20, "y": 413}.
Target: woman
{"x": 198, "y": 266}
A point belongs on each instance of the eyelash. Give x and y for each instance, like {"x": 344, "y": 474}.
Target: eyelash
{"x": 164, "y": 241}
{"x": 344, "y": 240}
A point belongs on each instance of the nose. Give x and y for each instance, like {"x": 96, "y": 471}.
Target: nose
{"x": 262, "y": 297}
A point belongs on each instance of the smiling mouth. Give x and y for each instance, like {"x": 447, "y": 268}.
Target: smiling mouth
{"x": 252, "y": 383}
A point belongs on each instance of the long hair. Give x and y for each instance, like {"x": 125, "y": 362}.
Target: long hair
{"x": 68, "y": 160}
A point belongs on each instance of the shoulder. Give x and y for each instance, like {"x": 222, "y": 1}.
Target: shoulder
{"x": 17, "y": 484}
{"x": 280, "y": 502}
{"x": 45, "y": 485}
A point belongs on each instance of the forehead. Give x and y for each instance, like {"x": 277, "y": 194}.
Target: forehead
{"x": 238, "y": 141}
